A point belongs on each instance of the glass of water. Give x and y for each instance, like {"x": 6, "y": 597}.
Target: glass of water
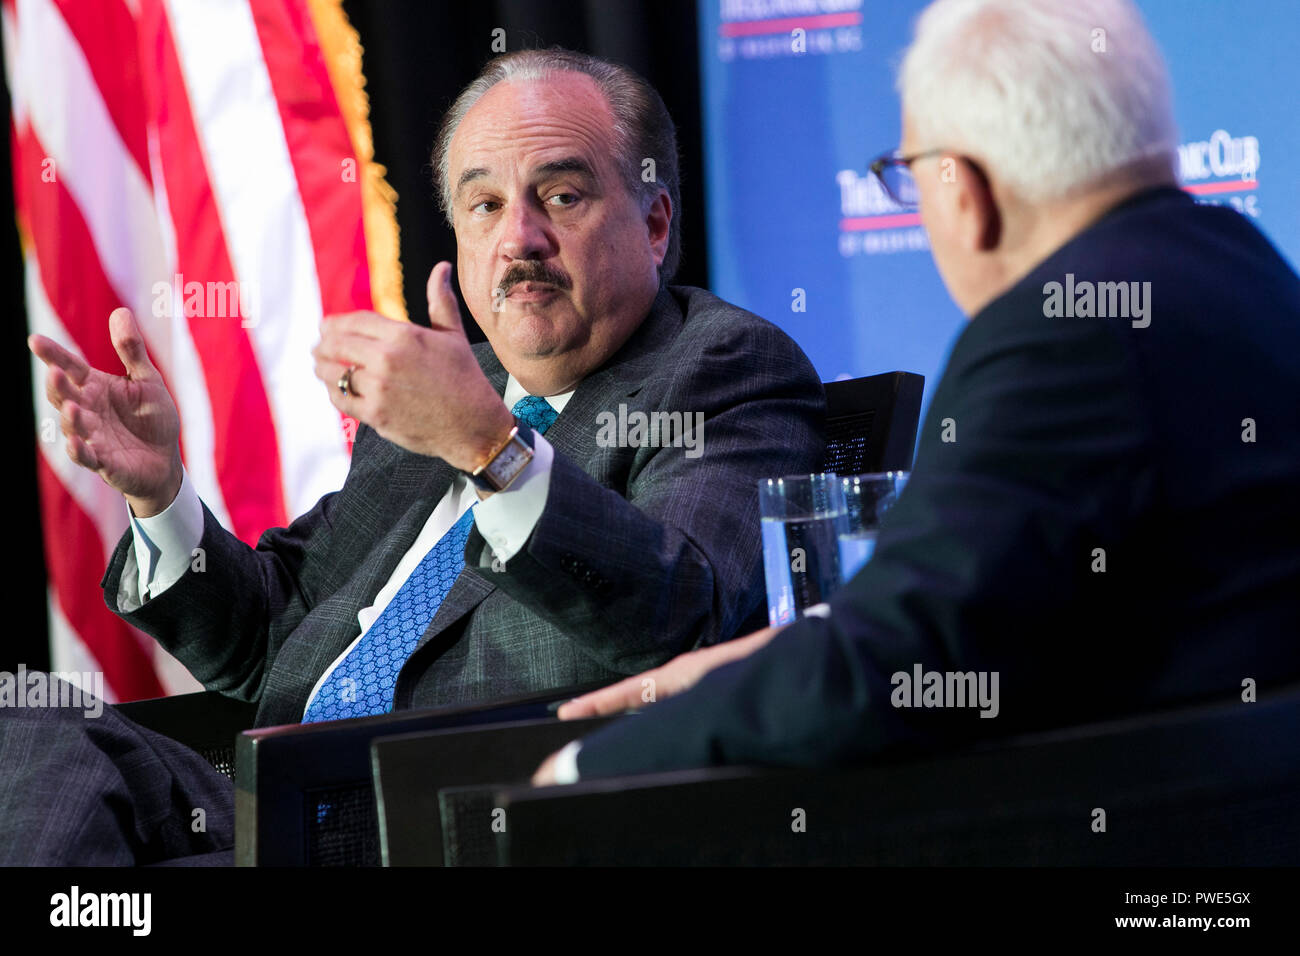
{"x": 803, "y": 517}
{"x": 866, "y": 499}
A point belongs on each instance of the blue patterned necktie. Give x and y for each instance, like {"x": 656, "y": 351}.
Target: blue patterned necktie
{"x": 363, "y": 682}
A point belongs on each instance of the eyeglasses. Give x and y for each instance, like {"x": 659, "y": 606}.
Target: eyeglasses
{"x": 895, "y": 174}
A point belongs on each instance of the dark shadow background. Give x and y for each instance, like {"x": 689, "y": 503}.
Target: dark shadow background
{"x": 23, "y": 637}
{"x": 418, "y": 55}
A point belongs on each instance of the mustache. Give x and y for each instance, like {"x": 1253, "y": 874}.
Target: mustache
{"x": 531, "y": 270}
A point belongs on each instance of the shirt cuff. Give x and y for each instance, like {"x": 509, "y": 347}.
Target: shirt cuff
{"x": 165, "y": 542}
{"x": 566, "y": 763}
{"x": 506, "y": 518}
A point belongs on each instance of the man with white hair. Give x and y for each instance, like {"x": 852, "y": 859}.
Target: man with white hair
{"x": 1101, "y": 517}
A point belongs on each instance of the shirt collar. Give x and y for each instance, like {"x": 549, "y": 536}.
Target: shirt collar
{"x": 515, "y": 391}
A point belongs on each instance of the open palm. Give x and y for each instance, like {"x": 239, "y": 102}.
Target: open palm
{"x": 125, "y": 428}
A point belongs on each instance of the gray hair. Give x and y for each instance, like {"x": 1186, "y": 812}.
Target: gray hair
{"x": 1053, "y": 96}
{"x": 643, "y": 130}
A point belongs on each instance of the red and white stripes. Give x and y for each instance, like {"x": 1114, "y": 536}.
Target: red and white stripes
{"x": 159, "y": 144}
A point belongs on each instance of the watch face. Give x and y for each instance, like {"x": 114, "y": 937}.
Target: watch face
{"x": 509, "y": 460}
{"x": 512, "y": 460}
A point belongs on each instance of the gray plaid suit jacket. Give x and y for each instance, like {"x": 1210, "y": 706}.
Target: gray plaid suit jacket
{"x": 641, "y": 552}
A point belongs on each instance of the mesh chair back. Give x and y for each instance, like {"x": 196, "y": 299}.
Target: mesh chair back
{"x": 341, "y": 826}
{"x": 871, "y": 423}
{"x": 472, "y": 829}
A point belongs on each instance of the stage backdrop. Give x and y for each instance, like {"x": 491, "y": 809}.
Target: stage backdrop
{"x": 799, "y": 231}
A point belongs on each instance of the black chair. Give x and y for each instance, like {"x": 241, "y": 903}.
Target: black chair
{"x": 1208, "y": 785}
{"x": 871, "y": 423}
{"x": 410, "y": 770}
{"x": 303, "y": 792}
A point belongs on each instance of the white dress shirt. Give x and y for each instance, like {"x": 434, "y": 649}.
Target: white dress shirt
{"x": 164, "y": 543}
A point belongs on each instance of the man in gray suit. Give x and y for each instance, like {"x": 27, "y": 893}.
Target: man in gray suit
{"x": 467, "y": 556}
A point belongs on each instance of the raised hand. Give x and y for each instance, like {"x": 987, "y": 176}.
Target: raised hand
{"x": 420, "y": 388}
{"x": 124, "y": 428}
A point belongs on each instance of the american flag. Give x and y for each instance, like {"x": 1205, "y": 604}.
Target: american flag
{"x": 208, "y": 165}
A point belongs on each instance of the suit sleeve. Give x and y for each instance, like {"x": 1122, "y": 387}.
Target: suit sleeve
{"x": 997, "y": 532}
{"x": 677, "y": 563}
{"x": 234, "y": 606}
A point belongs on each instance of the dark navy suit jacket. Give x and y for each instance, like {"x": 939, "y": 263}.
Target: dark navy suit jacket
{"x": 1170, "y": 452}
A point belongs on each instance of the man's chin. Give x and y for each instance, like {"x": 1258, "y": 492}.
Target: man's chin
{"x": 534, "y": 332}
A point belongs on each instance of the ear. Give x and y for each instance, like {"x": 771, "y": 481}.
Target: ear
{"x": 979, "y": 221}
{"x": 658, "y": 219}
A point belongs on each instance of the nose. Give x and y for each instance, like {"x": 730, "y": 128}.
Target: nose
{"x": 527, "y": 233}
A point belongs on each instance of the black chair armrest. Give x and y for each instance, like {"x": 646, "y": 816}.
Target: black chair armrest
{"x": 410, "y": 769}
{"x": 206, "y": 721}
{"x": 1216, "y": 785}
{"x": 303, "y": 793}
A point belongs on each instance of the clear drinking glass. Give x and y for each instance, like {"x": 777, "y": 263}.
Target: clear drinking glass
{"x": 866, "y": 499}
{"x": 802, "y": 519}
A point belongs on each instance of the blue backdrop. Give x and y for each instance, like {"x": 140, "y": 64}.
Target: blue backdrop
{"x": 796, "y": 221}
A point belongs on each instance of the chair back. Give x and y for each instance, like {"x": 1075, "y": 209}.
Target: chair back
{"x": 871, "y": 423}
{"x": 205, "y": 721}
{"x": 421, "y": 821}
{"x": 304, "y": 794}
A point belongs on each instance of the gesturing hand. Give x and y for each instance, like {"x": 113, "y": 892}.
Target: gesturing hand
{"x": 677, "y": 676}
{"x": 125, "y": 428}
{"x": 419, "y": 388}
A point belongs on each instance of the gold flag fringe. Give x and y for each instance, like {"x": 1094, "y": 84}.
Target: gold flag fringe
{"x": 341, "y": 47}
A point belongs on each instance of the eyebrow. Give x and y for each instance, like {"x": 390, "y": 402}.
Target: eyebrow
{"x": 469, "y": 175}
{"x": 569, "y": 164}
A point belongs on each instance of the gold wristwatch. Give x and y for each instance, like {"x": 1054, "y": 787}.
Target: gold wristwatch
{"x": 506, "y": 461}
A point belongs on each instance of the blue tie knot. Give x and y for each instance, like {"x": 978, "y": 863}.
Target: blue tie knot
{"x": 535, "y": 412}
